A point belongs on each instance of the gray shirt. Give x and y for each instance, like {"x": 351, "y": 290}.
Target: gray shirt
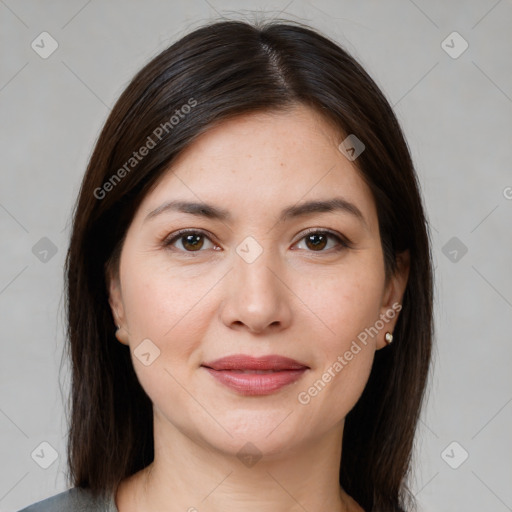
{"x": 75, "y": 499}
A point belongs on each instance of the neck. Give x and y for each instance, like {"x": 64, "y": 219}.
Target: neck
{"x": 188, "y": 475}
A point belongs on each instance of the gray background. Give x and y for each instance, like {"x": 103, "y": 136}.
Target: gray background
{"x": 456, "y": 113}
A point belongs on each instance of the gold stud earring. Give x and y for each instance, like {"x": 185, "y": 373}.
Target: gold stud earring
{"x": 389, "y": 338}
{"x": 121, "y": 335}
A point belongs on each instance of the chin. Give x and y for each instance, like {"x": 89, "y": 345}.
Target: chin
{"x": 265, "y": 433}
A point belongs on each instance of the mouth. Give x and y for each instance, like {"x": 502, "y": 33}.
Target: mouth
{"x": 245, "y": 363}
{"x": 249, "y": 375}
{"x": 254, "y": 372}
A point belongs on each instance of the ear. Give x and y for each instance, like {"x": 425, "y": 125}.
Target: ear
{"x": 115, "y": 299}
{"x": 392, "y": 297}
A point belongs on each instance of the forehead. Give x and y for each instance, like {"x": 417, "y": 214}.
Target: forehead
{"x": 261, "y": 162}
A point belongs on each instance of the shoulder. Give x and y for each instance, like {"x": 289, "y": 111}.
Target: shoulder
{"x": 75, "y": 499}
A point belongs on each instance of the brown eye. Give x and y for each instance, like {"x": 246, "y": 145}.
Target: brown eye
{"x": 317, "y": 241}
{"x": 191, "y": 241}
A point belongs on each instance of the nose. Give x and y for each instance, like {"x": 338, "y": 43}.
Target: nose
{"x": 257, "y": 297}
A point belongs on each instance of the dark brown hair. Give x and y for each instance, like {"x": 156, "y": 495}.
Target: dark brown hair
{"x": 223, "y": 70}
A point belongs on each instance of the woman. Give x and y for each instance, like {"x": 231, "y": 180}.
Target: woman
{"x": 249, "y": 286}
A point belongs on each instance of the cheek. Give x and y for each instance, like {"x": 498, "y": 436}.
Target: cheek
{"x": 346, "y": 300}
{"x": 346, "y": 382}
{"x": 172, "y": 313}
{"x": 348, "y": 303}
{"x": 173, "y": 308}
{"x": 160, "y": 301}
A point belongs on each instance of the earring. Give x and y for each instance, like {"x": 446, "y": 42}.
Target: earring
{"x": 389, "y": 338}
{"x": 119, "y": 334}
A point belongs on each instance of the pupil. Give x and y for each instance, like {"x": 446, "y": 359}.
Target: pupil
{"x": 317, "y": 245}
{"x": 192, "y": 240}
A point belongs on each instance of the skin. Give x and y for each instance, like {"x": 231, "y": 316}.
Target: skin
{"x": 297, "y": 299}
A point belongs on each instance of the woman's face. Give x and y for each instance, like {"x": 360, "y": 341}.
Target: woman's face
{"x": 248, "y": 278}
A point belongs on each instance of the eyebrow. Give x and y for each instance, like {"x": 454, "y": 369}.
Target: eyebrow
{"x": 298, "y": 210}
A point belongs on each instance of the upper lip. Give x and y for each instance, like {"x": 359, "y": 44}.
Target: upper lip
{"x": 246, "y": 362}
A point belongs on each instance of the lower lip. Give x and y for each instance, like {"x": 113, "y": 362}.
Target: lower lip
{"x": 256, "y": 383}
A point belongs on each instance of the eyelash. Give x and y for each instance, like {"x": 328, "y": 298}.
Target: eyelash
{"x": 343, "y": 242}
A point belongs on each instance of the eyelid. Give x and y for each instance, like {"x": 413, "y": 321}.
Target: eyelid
{"x": 342, "y": 239}
{"x": 173, "y": 237}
